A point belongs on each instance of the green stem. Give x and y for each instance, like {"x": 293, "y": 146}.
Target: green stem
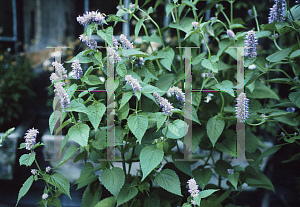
{"x": 291, "y": 62}
{"x": 137, "y": 103}
{"x": 146, "y": 32}
{"x": 156, "y": 27}
{"x": 257, "y": 25}
{"x": 42, "y": 175}
{"x": 226, "y": 17}
{"x": 223, "y": 102}
{"x": 123, "y": 160}
{"x": 281, "y": 128}
{"x": 206, "y": 45}
{"x": 220, "y": 178}
{"x": 211, "y": 151}
{"x": 276, "y": 44}
{"x": 282, "y": 72}
{"x": 131, "y": 160}
{"x": 231, "y": 12}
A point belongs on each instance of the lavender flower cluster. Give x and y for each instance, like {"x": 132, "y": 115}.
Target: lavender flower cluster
{"x": 277, "y": 11}
{"x": 90, "y": 17}
{"x": 193, "y": 189}
{"x": 90, "y": 42}
{"x": 115, "y": 43}
{"x": 125, "y": 42}
{"x": 30, "y": 138}
{"x": 77, "y": 70}
{"x": 59, "y": 83}
{"x": 133, "y": 82}
{"x": 242, "y": 108}
{"x": 251, "y": 43}
{"x": 177, "y": 92}
{"x": 167, "y": 106}
{"x": 230, "y": 34}
{"x": 113, "y": 55}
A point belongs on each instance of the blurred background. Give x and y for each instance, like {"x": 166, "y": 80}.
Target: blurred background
{"x": 28, "y": 27}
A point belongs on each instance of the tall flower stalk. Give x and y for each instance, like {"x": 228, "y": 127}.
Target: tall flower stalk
{"x": 167, "y": 106}
{"x": 242, "y": 108}
{"x": 251, "y": 43}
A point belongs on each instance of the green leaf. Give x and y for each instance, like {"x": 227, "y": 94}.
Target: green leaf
{"x": 222, "y": 197}
{"x": 134, "y": 52}
{"x": 214, "y": 129}
{"x": 95, "y": 113}
{"x": 125, "y": 98}
{"x": 127, "y": 192}
{"x": 213, "y": 66}
{"x": 206, "y": 193}
{"x": 25, "y": 188}
{"x": 148, "y": 70}
{"x": 138, "y": 27}
{"x": 61, "y": 182}
{"x": 121, "y": 69}
{"x": 169, "y": 180}
{"x": 202, "y": 177}
{"x": 91, "y": 195}
{"x": 222, "y": 167}
{"x": 182, "y": 166}
{"x": 100, "y": 140}
{"x": 138, "y": 124}
{"x": 279, "y": 55}
{"x": 167, "y": 56}
{"x": 53, "y": 120}
{"x": 91, "y": 80}
{"x": 234, "y": 179}
{"x": 169, "y": 8}
{"x": 87, "y": 176}
{"x": 123, "y": 112}
{"x": 150, "y": 157}
{"x": 181, "y": 125}
{"x": 251, "y": 142}
{"x": 258, "y": 179}
{"x": 152, "y": 201}
{"x": 68, "y": 154}
{"x": 266, "y": 153}
{"x": 81, "y": 57}
{"x": 113, "y": 180}
{"x": 80, "y": 134}
{"x": 106, "y": 35}
{"x": 294, "y": 157}
{"x": 76, "y": 106}
{"x": 261, "y": 91}
{"x": 295, "y": 98}
{"x": 165, "y": 81}
{"x": 114, "y": 18}
{"x": 107, "y": 202}
{"x": 227, "y": 86}
{"x": 27, "y": 159}
{"x": 295, "y": 54}
{"x": 190, "y": 4}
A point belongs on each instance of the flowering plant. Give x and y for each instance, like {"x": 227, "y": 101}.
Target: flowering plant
{"x": 149, "y": 126}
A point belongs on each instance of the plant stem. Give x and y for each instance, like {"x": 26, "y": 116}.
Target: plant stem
{"x": 220, "y": 178}
{"x": 42, "y": 175}
{"x": 211, "y": 151}
{"x": 123, "y": 160}
{"x": 226, "y": 17}
{"x": 223, "y": 102}
{"x": 231, "y": 12}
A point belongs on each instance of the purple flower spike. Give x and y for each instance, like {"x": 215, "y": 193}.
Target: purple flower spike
{"x": 77, "y": 70}
{"x": 133, "y": 82}
{"x": 59, "y": 68}
{"x": 230, "y": 34}
{"x": 33, "y": 171}
{"x": 90, "y": 42}
{"x": 242, "y": 108}
{"x": 113, "y": 55}
{"x": 193, "y": 187}
{"x": 90, "y": 17}
{"x": 251, "y": 43}
{"x": 115, "y": 43}
{"x": 167, "y": 106}
{"x": 277, "y": 11}
{"x": 177, "y": 92}
{"x": 125, "y": 42}
{"x": 30, "y": 138}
